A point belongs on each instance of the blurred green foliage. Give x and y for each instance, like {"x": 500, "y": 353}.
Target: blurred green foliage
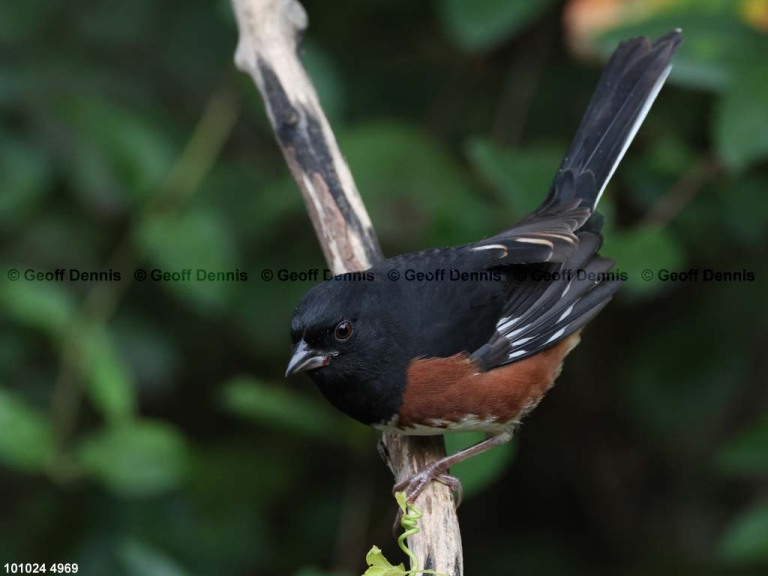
{"x": 145, "y": 427}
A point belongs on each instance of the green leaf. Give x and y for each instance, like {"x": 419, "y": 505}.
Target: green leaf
{"x": 747, "y": 453}
{"x": 402, "y": 500}
{"x": 477, "y": 25}
{"x": 136, "y": 459}
{"x": 26, "y": 442}
{"x": 42, "y": 305}
{"x": 522, "y": 176}
{"x": 283, "y": 409}
{"x": 110, "y": 385}
{"x": 741, "y": 122}
{"x": 378, "y": 565}
{"x": 196, "y": 242}
{"x": 116, "y": 148}
{"x": 745, "y": 540}
{"x": 48, "y": 307}
{"x": 481, "y": 471}
{"x": 141, "y": 559}
{"x": 646, "y": 255}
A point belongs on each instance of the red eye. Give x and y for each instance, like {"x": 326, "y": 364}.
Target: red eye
{"x": 343, "y": 330}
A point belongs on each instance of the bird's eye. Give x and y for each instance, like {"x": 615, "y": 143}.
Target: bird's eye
{"x": 343, "y": 330}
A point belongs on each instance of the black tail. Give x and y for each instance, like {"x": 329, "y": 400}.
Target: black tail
{"x": 627, "y": 88}
{"x": 629, "y": 85}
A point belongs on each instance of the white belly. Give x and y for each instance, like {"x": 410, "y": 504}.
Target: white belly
{"x": 436, "y": 427}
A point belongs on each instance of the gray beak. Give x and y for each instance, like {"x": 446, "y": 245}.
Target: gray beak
{"x": 305, "y": 358}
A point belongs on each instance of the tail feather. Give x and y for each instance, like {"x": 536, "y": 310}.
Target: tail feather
{"x": 627, "y": 89}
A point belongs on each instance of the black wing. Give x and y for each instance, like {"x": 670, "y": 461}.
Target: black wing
{"x": 551, "y": 303}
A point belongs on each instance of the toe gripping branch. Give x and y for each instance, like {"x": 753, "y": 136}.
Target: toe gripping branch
{"x": 439, "y": 472}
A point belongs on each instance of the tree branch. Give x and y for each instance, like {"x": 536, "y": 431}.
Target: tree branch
{"x": 270, "y": 37}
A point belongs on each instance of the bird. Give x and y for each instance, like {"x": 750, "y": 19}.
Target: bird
{"x": 471, "y": 337}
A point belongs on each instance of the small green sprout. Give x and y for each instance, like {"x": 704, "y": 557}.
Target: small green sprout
{"x": 378, "y": 565}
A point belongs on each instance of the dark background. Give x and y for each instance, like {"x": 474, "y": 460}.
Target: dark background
{"x": 146, "y": 428}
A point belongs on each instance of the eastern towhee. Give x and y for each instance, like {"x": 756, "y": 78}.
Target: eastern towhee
{"x": 471, "y": 337}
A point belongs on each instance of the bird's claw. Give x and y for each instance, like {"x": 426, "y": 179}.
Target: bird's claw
{"x": 455, "y": 485}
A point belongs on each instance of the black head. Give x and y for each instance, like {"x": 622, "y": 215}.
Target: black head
{"x": 349, "y": 341}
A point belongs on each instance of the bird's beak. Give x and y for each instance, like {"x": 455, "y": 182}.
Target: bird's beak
{"x": 305, "y": 358}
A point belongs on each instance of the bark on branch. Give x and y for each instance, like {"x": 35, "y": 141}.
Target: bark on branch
{"x": 270, "y": 37}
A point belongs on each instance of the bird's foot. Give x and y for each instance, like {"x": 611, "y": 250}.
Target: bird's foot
{"x": 415, "y": 485}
